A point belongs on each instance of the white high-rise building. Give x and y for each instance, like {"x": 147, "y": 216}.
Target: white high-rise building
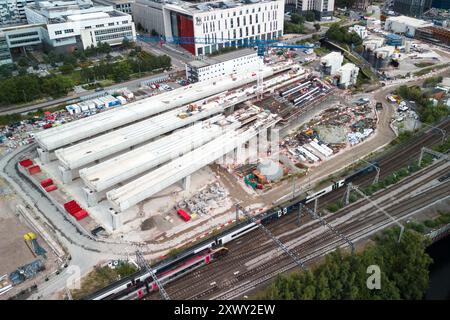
{"x": 322, "y": 9}
{"x": 215, "y": 25}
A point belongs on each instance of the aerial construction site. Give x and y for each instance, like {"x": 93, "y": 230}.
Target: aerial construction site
{"x": 170, "y": 168}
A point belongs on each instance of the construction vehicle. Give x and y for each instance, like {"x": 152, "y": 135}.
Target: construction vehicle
{"x": 32, "y": 243}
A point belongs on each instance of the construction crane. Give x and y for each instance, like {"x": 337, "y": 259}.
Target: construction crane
{"x": 260, "y": 45}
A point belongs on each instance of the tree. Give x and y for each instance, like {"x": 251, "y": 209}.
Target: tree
{"x": 23, "y": 62}
{"x": 345, "y": 3}
{"x": 121, "y": 71}
{"x": 317, "y": 26}
{"x": 309, "y": 16}
{"x": 66, "y": 69}
{"x": 403, "y": 267}
{"x": 127, "y": 44}
{"x": 297, "y": 19}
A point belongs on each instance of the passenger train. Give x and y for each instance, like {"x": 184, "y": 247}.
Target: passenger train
{"x": 141, "y": 283}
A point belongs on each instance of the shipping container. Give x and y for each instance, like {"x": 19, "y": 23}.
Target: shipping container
{"x": 46, "y": 182}
{"x": 184, "y": 215}
{"x": 51, "y": 188}
{"x": 34, "y": 169}
{"x": 26, "y": 163}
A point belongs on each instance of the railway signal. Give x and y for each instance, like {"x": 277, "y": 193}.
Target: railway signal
{"x": 144, "y": 264}
{"x": 267, "y": 231}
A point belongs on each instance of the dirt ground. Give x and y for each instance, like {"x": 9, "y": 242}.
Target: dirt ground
{"x": 13, "y": 250}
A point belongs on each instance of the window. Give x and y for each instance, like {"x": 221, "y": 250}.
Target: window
{"x": 58, "y": 32}
{"x": 111, "y": 24}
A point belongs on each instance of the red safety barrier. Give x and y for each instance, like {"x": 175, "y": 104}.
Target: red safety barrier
{"x": 184, "y": 215}
{"x": 80, "y": 215}
{"x": 26, "y": 163}
{"x": 46, "y": 182}
{"x": 72, "y": 207}
{"x": 51, "y": 188}
{"x": 34, "y": 169}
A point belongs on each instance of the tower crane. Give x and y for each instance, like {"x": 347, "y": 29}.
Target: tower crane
{"x": 260, "y": 45}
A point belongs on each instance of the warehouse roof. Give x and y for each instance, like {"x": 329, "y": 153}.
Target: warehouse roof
{"x": 209, "y": 61}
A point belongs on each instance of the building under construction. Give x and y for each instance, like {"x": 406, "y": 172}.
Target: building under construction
{"x": 436, "y": 35}
{"x": 129, "y": 154}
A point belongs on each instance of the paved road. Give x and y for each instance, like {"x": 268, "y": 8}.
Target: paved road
{"x": 84, "y": 250}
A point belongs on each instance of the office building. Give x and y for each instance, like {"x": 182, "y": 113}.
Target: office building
{"x": 322, "y": 9}
{"x": 13, "y": 11}
{"x": 125, "y": 6}
{"x": 71, "y": 25}
{"x": 214, "y": 25}
{"x": 412, "y": 8}
{"x": 210, "y": 68}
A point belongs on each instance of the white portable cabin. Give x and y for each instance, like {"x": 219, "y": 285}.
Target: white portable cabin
{"x": 70, "y": 108}
{"x": 84, "y": 107}
{"x": 99, "y": 104}
{"x": 121, "y": 99}
{"x": 76, "y": 108}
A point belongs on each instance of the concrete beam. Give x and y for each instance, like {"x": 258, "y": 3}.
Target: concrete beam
{"x": 186, "y": 182}
{"x": 66, "y": 174}
{"x": 91, "y": 197}
{"x": 116, "y": 219}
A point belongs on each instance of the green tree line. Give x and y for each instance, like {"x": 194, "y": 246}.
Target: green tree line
{"x": 341, "y": 35}
{"x": 403, "y": 266}
{"x": 138, "y": 62}
{"x": 424, "y": 107}
{"x": 27, "y": 88}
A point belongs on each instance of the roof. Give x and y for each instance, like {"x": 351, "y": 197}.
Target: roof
{"x": 208, "y": 61}
{"x": 209, "y": 5}
{"x": 87, "y": 16}
{"x": 348, "y": 66}
{"x": 410, "y": 21}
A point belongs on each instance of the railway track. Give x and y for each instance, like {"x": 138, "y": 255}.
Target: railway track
{"x": 372, "y": 223}
{"x": 258, "y": 244}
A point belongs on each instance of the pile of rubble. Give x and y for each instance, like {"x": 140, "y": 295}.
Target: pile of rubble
{"x": 208, "y": 199}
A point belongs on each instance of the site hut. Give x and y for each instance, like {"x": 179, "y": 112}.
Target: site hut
{"x": 78, "y": 24}
{"x": 210, "y": 68}
{"x": 217, "y": 24}
{"x": 63, "y": 136}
